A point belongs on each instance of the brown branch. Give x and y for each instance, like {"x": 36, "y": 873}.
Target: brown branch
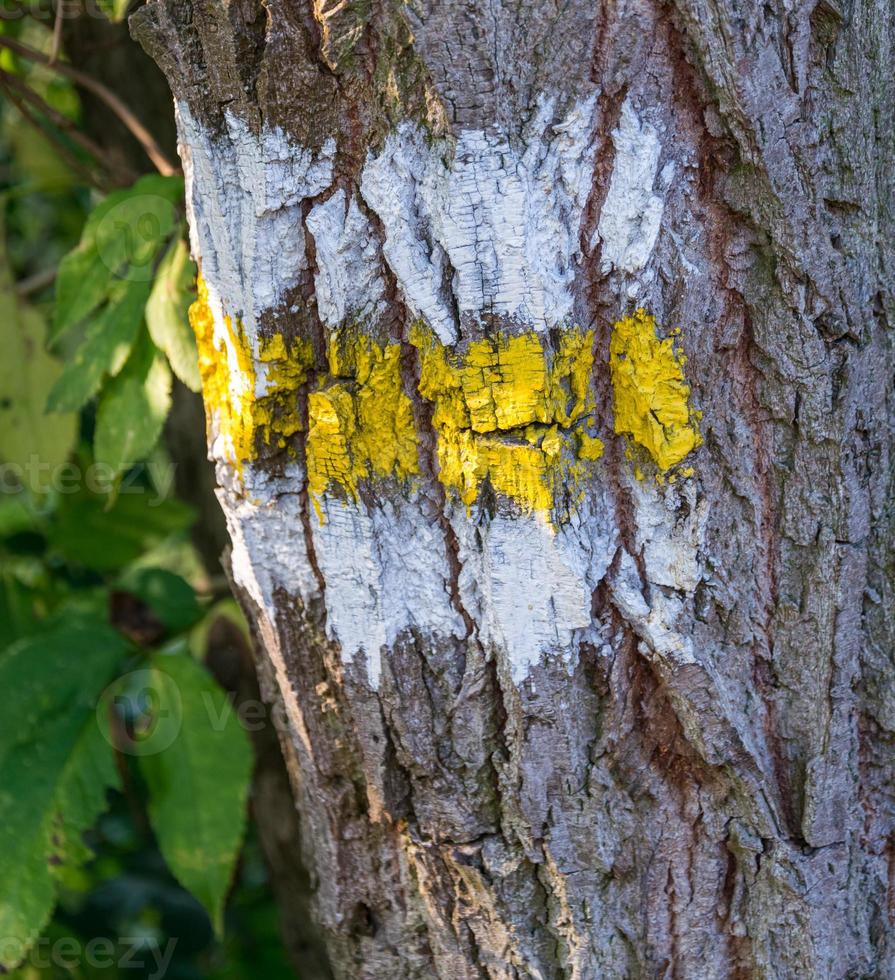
{"x": 122, "y": 174}
{"x": 49, "y": 134}
{"x": 137, "y": 129}
{"x": 57, "y": 33}
{"x": 36, "y": 282}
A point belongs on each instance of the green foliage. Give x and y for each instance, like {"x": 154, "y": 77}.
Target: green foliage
{"x": 121, "y": 241}
{"x": 27, "y": 373}
{"x": 115, "y": 10}
{"x": 102, "y": 772}
{"x": 84, "y": 531}
{"x": 108, "y": 339}
{"x": 55, "y": 766}
{"x": 83, "y": 678}
{"x": 198, "y": 784}
{"x": 169, "y": 596}
{"x": 133, "y": 409}
{"x": 130, "y": 267}
{"x": 166, "y": 312}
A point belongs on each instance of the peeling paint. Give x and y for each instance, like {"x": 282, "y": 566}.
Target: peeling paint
{"x": 504, "y": 412}
{"x": 652, "y": 397}
{"x": 384, "y": 567}
{"x": 528, "y": 584}
{"x": 502, "y": 220}
{"x": 271, "y": 528}
{"x": 470, "y": 229}
{"x": 348, "y": 282}
{"x": 244, "y": 193}
{"x": 360, "y": 421}
{"x": 238, "y": 416}
{"x": 655, "y": 624}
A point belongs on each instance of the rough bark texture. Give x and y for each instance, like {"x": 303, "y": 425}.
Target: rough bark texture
{"x": 690, "y": 775}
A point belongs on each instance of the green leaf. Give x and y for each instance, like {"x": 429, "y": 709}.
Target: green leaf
{"x": 85, "y": 533}
{"x": 107, "y": 342}
{"x": 34, "y": 156}
{"x": 133, "y": 409}
{"x": 120, "y": 241}
{"x": 166, "y": 313}
{"x": 169, "y": 596}
{"x": 198, "y": 785}
{"x": 169, "y": 189}
{"x": 56, "y": 765}
{"x": 82, "y": 284}
{"x": 27, "y": 373}
{"x": 17, "y": 613}
{"x": 129, "y": 227}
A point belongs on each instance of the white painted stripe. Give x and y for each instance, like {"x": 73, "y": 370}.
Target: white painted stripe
{"x": 507, "y": 217}
{"x": 348, "y": 283}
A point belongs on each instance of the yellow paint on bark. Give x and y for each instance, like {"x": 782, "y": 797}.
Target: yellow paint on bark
{"x": 360, "y": 422}
{"x": 235, "y": 414}
{"x": 652, "y": 397}
{"x": 504, "y": 411}
{"x": 513, "y": 412}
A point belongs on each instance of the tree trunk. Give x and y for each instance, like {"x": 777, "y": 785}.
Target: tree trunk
{"x": 548, "y": 371}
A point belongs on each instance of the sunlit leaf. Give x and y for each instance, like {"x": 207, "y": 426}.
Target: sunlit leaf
{"x": 121, "y": 240}
{"x": 108, "y": 340}
{"x": 29, "y": 441}
{"x": 133, "y": 409}
{"x": 115, "y": 10}
{"x": 166, "y": 313}
{"x": 82, "y": 284}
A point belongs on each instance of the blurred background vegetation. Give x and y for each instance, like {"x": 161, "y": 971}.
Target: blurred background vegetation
{"x": 110, "y": 538}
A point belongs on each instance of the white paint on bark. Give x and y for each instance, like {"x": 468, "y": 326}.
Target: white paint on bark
{"x": 669, "y": 524}
{"x": 529, "y": 586}
{"x": 385, "y": 574}
{"x": 632, "y": 212}
{"x": 536, "y": 591}
{"x": 654, "y": 623}
{"x": 505, "y": 217}
{"x": 391, "y": 185}
{"x": 344, "y": 545}
{"x": 348, "y": 283}
{"x": 268, "y": 547}
{"x": 244, "y": 194}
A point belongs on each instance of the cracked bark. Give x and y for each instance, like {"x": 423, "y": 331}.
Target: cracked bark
{"x": 621, "y": 811}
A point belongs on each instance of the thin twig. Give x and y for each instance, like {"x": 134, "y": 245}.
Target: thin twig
{"x": 36, "y": 282}
{"x": 123, "y": 174}
{"x": 139, "y": 131}
{"x": 57, "y": 34}
{"x": 51, "y": 135}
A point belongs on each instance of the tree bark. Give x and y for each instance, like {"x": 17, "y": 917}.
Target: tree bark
{"x": 585, "y": 646}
